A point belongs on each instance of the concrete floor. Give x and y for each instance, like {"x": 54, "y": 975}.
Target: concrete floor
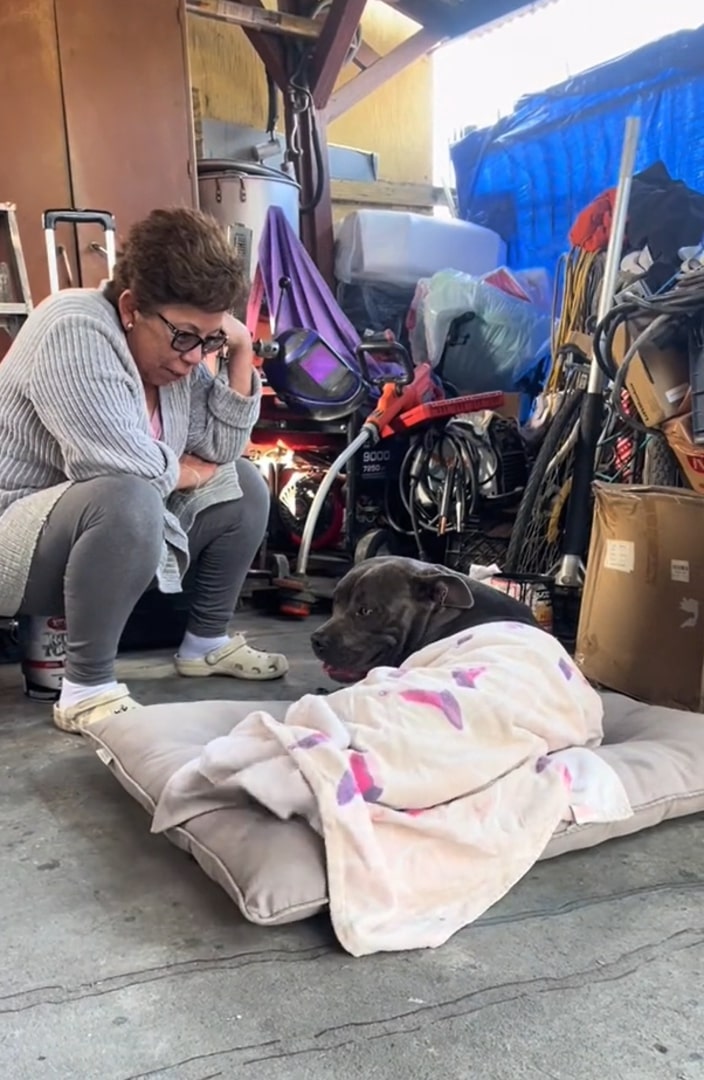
{"x": 121, "y": 960}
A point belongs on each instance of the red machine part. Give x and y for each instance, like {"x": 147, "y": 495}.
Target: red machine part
{"x": 275, "y": 443}
{"x": 396, "y": 399}
{"x": 330, "y": 536}
{"x": 437, "y": 410}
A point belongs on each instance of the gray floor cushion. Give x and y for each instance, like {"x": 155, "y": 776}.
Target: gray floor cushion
{"x": 275, "y": 871}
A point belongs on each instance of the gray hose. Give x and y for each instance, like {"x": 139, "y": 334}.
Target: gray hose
{"x": 367, "y": 433}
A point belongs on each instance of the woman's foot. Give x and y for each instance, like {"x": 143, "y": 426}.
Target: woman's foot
{"x": 79, "y": 707}
{"x": 233, "y": 657}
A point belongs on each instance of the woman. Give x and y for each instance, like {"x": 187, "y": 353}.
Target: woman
{"x": 120, "y": 459}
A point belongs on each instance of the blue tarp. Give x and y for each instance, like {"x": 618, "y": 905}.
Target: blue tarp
{"x": 530, "y": 175}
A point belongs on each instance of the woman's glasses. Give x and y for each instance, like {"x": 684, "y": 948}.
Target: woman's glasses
{"x": 183, "y": 341}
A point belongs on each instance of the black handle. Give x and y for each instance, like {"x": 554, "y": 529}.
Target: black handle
{"x": 52, "y": 218}
{"x": 385, "y": 348}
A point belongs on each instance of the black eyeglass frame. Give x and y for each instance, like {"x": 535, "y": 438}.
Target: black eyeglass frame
{"x": 184, "y": 341}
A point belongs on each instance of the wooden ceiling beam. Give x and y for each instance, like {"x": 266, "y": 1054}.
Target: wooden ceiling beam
{"x": 268, "y": 46}
{"x": 373, "y": 77}
{"x": 338, "y": 30}
{"x": 263, "y": 19}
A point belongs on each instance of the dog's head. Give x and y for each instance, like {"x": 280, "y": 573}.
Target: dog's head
{"x": 384, "y": 609}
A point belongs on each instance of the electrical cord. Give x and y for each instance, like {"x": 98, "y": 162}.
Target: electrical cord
{"x": 441, "y": 480}
{"x": 301, "y": 101}
{"x": 681, "y": 305}
{"x": 620, "y": 377}
{"x": 272, "y": 117}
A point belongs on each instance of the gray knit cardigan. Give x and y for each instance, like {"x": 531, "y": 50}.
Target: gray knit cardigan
{"x": 72, "y": 407}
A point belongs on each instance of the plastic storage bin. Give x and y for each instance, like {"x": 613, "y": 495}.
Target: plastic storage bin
{"x": 396, "y": 248}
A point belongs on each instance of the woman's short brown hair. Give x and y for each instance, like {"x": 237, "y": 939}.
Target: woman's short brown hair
{"x": 179, "y": 256}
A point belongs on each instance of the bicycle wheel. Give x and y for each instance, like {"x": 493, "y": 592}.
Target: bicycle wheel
{"x": 661, "y": 466}
{"x": 536, "y": 539}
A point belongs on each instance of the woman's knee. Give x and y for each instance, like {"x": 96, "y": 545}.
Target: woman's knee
{"x": 256, "y": 496}
{"x": 247, "y": 517}
{"x": 129, "y": 506}
{"x": 103, "y": 534}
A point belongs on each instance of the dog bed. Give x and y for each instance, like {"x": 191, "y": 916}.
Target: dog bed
{"x": 274, "y": 870}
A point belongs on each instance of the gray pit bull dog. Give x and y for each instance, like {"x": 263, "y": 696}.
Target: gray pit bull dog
{"x": 387, "y": 608}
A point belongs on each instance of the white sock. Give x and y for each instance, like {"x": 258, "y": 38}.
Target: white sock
{"x": 195, "y": 648}
{"x": 74, "y": 693}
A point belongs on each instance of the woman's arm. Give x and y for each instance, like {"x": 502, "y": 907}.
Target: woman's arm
{"x": 91, "y": 403}
{"x": 225, "y": 408}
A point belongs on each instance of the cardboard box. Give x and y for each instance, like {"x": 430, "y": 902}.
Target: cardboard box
{"x": 641, "y": 626}
{"x": 658, "y": 378}
{"x": 511, "y": 407}
{"x": 690, "y": 456}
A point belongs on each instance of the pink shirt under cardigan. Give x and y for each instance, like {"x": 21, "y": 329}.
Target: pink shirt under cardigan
{"x": 155, "y": 424}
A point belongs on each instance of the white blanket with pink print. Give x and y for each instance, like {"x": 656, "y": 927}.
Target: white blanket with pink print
{"x": 436, "y": 786}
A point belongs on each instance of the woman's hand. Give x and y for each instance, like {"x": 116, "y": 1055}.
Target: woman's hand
{"x": 194, "y": 472}
{"x": 240, "y": 355}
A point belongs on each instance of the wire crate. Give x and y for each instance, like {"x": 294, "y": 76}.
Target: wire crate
{"x": 556, "y": 607}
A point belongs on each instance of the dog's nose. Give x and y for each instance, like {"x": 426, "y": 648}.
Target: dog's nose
{"x": 316, "y": 640}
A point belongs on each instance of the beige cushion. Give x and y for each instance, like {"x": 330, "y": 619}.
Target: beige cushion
{"x": 275, "y": 870}
{"x": 659, "y": 755}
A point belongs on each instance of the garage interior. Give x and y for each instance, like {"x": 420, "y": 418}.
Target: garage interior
{"x": 123, "y": 960}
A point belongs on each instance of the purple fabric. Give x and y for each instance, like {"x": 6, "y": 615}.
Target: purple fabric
{"x": 308, "y": 301}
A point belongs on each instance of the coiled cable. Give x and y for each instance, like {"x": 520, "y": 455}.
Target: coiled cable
{"x": 441, "y": 480}
{"x": 681, "y": 306}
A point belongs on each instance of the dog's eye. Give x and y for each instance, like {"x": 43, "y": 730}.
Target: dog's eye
{"x": 364, "y": 611}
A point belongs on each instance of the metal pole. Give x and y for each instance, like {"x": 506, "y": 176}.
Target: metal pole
{"x": 618, "y": 232}
{"x": 578, "y": 524}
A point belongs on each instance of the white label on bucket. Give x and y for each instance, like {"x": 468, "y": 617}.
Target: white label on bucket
{"x": 620, "y": 555}
{"x": 676, "y": 394}
{"x": 679, "y": 570}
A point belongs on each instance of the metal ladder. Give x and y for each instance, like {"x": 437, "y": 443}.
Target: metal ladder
{"x": 15, "y": 295}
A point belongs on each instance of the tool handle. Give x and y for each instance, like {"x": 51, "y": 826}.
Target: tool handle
{"x": 384, "y": 347}
{"x": 52, "y": 218}
{"x": 396, "y": 399}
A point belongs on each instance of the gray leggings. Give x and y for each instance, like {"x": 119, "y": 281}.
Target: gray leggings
{"x": 100, "y": 549}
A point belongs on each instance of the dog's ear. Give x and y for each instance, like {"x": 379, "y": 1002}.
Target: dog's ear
{"x": 444, "y": 589}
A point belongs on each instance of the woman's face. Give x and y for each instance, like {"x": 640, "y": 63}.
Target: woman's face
{"x": 167, "y": 345}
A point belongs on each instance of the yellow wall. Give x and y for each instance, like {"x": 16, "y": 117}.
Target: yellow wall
{"x": 395, "y": 122}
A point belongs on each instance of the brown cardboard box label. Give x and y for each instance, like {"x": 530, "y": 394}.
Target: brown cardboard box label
{"x": 679, "y": 570}
{"x": 620, "y": 555}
